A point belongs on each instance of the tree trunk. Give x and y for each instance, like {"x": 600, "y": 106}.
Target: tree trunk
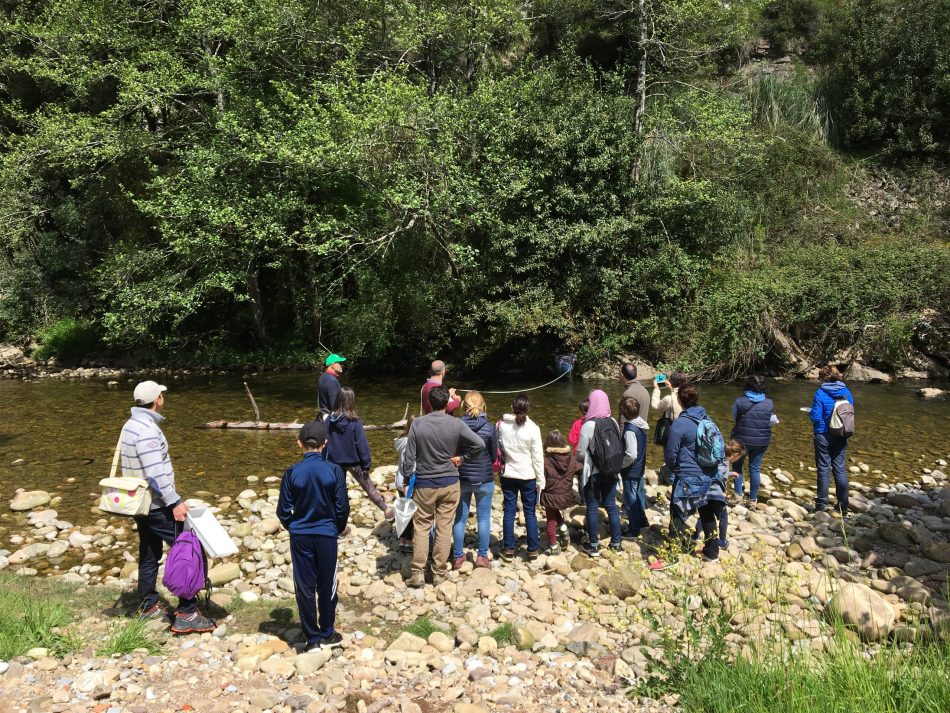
{"x": 254, "y": 294}
{"x": 641, "y": 95}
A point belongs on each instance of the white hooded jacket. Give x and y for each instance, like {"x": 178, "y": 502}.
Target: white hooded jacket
{"x": 522, "y": 449}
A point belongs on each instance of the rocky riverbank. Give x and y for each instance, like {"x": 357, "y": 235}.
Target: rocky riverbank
{"x": 565, "y": 632}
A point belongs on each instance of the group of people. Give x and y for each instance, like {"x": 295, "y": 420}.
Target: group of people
{"x": 448, "y": 461}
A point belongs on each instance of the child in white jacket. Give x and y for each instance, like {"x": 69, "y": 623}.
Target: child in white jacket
{"x": 519, "y": 440}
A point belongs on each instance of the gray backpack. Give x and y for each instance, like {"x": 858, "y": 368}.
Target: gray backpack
{"x": 841, "y": 423}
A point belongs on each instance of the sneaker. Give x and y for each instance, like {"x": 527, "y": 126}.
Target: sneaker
{"x": 458, "y": 562}
{"x": 630, "y": 535}
{"x": 697, "y": 536}
{"x": 333, "y": 641}
{"x": 416, "y": 581}
{"x": 658, "y": 564}
{"x": 710, "y": 559}
{"x": 590, "y": 550}
{"x": 723, "y": 543}
{"x": 615, "y": 546}
{"x": 532, "y": 555}
{"x": 562, "y": 528}
{"x": 482, "y": 563}
{"x": 554, "y": 548}
{"x": 156, "y": 612}
{"x": 192, "y": 623}
{"x": 507, "y": 554}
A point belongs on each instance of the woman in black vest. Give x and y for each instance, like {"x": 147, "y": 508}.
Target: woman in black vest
{"x": 754, "y": 416}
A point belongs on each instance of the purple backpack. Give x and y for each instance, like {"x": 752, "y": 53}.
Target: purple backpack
{"x": 185, "y": 567}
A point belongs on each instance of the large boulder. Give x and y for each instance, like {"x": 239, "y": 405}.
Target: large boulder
{"x": 29, "y": 499}
{"x": 864, "y": 610}
{"x": 13, "y": 357}
{"x": 859, "y": 372}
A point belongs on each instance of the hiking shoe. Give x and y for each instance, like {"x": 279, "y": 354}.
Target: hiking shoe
{"x": 590, "y": 550}
{"x": 630, "y": 535}
{"x": 458, "y": 562}
{"x": 156, "y": 612}
{"x": 710, "y": 559}
{"x": 697, "y": 535}
{"x": 192, "y": 623}
{"x": 482, "y": 563}
{"x": 507, "y": 554}
{"x": 532, "y": 555}
{"x": 416, "y": 581}
{"x": 723, "y": 543}
{"x": 616, "y": 546}
{"x": 333, "y": 641}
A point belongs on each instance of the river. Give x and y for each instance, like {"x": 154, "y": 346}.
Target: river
{"x": 61, "y": 435}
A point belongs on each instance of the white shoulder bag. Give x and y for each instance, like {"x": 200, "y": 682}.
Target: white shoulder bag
{"x": 123, "y": 495}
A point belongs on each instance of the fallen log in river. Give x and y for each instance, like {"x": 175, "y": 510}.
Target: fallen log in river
{"x": 259, "y": 425}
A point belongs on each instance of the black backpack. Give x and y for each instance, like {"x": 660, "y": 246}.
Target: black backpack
{"x": 606, "y": 447}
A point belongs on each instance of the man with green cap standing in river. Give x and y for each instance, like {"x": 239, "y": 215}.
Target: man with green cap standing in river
{"x": 329, "y": 385}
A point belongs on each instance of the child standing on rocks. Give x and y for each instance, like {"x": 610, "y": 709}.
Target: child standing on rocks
{"x": 734, "y": 451}
{"x": 574, "y": 435}
{"x": 560, "y": 468}
{"x": 313, "y": 507}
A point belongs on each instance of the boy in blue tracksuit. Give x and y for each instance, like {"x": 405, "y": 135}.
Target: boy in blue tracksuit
{"x": 830, "y": 451}
{"x": 314, "y": 507}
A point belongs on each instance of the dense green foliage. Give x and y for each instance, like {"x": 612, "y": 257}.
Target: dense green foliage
{"x": 198, "y": 179}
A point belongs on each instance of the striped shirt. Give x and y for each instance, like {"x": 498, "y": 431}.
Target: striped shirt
{"x": 144, "y": 453}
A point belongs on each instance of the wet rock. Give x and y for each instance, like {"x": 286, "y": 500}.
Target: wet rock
{"x": 25, "y": 554}
{"x": 931, "y": 393}
{"x": 29, "y": 499}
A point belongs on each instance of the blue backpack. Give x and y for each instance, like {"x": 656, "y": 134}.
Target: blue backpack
{"x": 710, "y": 445}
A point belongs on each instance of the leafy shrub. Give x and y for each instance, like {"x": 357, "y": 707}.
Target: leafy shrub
{"x": 789, "y": 24}
{"x": 69, "y": 340}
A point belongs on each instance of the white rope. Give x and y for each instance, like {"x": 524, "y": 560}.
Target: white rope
{"x": 519, "y": 391}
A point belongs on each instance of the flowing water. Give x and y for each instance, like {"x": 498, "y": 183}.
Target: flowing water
{"x": 61, "y": 435}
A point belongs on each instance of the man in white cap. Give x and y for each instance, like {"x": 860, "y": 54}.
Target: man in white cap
{"x": 144, "y": 453}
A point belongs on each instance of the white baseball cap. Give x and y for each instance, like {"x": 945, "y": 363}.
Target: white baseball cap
{"x": 147, "y": 392}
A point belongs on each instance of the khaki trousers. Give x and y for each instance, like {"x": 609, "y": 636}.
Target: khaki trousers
{"x": 438, "y": 505}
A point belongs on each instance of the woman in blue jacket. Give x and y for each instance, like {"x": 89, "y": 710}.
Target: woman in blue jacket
{"x": 348, "y": 448}
{"x": 754, "y": 415}
{"x": 476, "y": 478}
{"x": 830, "y": 451}
{"x": 695, "y": 487}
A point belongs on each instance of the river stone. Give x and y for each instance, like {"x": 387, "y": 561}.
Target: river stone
{"x": 861, "y": 608}
{"x": 895, "y": 534}
{"x": 792, "y": 509}
{"x": 582, "y": 562}
{"x": 29, "y": 499}
{"x": 224, "y": 573}
{"x": 407, "y": 642}
{"x": 263, "y": 698}
{"x": 24, "y": 554}
{"x": 312, "y": 661}
{"x": 57, "y": 549}
{"x": 441, "y": 642}
{"x": 279, "y": 666}
{"x": 524, "y": 639}
{"x": 622, "y": 584}
{"x": 860, "y": 372}
{"x": 936, "y": 551}
{"x": 904, "y": 500}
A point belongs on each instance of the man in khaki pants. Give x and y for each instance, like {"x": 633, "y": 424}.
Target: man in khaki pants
{"x": 432, "y": 453}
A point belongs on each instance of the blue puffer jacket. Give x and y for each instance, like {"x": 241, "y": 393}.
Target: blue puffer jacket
{"x": 680, "y": 453}
{"x": 824, "y": 403}
{"x": 346, "y": 442}
{"x": 478, "y": 470}
{"x": 753, "y": 416}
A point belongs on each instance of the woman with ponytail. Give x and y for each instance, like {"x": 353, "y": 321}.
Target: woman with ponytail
{"x": 519, "y": 440}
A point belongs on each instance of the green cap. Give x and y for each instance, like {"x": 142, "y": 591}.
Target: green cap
{"x": 333, "y": 359}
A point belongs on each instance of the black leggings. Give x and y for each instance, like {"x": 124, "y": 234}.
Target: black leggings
{"x": 709, "y": 514}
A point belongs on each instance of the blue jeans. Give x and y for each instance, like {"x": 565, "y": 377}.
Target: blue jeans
{"x": 830, "y": 454}
{"x": 510, "y": 488}
{"x": 602, "y": 490}
{"x": 755, "y": 455}
{"x": 635, "y": 503}
{"x": 483, "y": 494}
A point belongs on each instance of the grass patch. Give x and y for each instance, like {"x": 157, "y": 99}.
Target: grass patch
{"x": 504, "y": 634}
{"x": 424, "y": 627}
{"x": 128, "y": 637}
{"x": 28, "y": 622}
{"x": 890, "y": 681}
